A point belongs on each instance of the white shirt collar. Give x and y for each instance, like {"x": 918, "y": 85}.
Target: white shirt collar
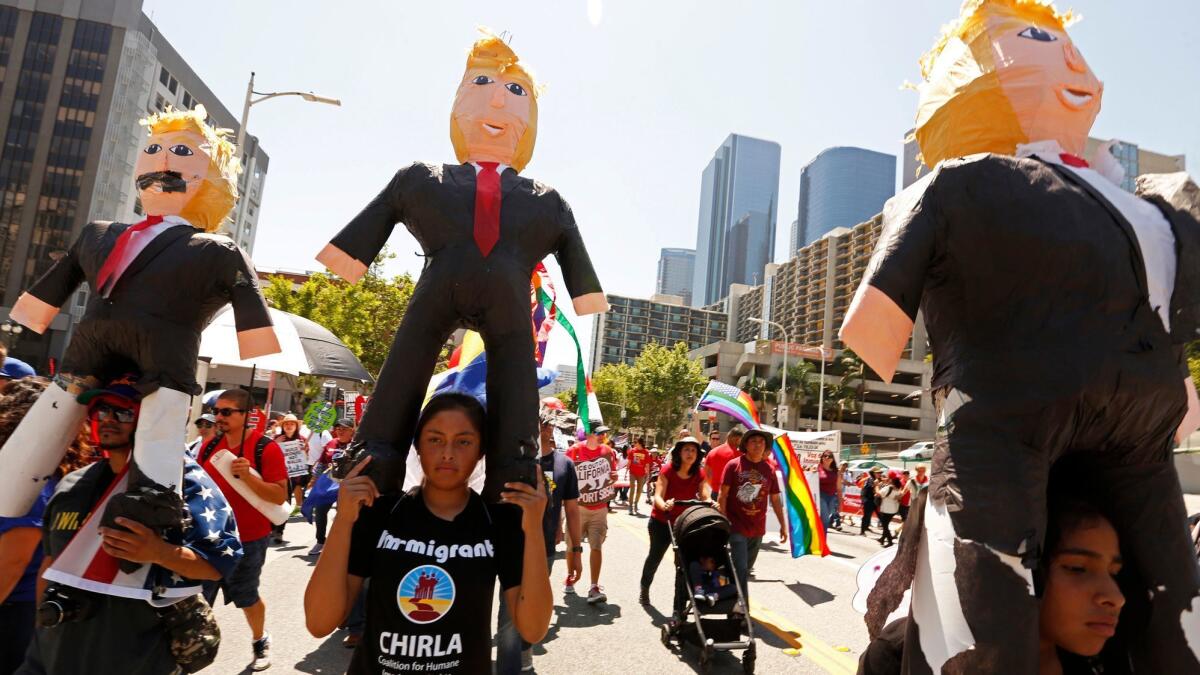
{"x": 1050, "y": 151}
{"x": 478, "y": 168}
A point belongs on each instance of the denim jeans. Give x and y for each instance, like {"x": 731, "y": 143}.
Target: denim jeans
{"x": 321, "y": 518}
{"x": 744, "y": 551}
{"x": 509, "y": 644}
{"x": 829, "y": 508}
{"x": 356, "y": 620}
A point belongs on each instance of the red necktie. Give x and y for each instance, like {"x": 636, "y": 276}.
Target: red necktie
{"x": 1071, "y": 160}
{"x": 487, "y": 207}
{"x": 109, "y": 268}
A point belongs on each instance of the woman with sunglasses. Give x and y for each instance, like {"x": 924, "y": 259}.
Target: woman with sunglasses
{"x": 830, "y": 483}
{"x": 206, "y": 426}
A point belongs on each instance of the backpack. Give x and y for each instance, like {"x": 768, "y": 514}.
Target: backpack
{"x": 211, "y": 447}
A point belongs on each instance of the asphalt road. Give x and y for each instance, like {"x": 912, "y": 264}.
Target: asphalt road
{"x": 804, "y": 622}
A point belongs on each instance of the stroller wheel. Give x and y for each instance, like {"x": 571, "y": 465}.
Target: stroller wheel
{"x": 666, "y": 635}
{"x": 706, "y": 654}
{"x": 748, "y": 658}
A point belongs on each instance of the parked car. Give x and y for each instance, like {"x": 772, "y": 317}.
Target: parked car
{"x": 917, "y": 451}
{"x": 864, "y": 465}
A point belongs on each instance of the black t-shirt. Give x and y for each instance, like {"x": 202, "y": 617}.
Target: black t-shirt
{"x": 562, "y": 485}
{"x": 429, "y": 605}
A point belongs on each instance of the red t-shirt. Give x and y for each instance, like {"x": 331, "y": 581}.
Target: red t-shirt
{"x": 678, "y": 488}
{"x": 639, "y": 462}
{"x": 251, "y": 524}
{"x": 827, "y": 480}
{"x": 594, "y": 469}
{"x": 715, "y": 463}
{"x": 750, "y": 487}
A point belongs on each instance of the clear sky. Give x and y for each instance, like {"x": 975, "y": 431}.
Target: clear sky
{"x": 638, "y": 96}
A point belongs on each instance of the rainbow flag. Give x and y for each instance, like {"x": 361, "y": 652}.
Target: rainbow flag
{"x": 731, "y": 401}
{"x": 805, "y": 529}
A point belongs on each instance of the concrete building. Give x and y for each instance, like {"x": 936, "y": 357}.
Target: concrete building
{"x": 841, "y": 187}
{"x": 675, "y": 270}
{"x": 620, "y": 335}
{"x": 809, "y": 295}
{"x": 739, "y": 201}
{"x": 75, "y": 78}
{"x": 1134, "y": 159}
{"x": 566, "y": 380}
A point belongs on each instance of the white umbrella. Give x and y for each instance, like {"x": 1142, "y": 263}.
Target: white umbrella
{"x": 307, "y": 348}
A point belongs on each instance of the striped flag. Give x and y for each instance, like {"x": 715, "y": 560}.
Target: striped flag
{"x": 730, "y": 400}
{"x": 805, "y": 529}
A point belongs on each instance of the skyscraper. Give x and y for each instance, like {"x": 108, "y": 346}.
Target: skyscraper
{"x": 841, "y": 187}
{"x": 75, "y": 77}
{"x": 675, "y": 269}
{"x": 739, "y": 189}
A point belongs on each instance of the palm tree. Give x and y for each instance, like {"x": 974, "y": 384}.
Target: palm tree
{"x": 801, "y": 385}
{"x": 853, "y": 385}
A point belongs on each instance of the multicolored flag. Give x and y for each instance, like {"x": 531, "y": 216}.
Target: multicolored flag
{"x": 806, "y": 531}
{"x": 730, "y": 400}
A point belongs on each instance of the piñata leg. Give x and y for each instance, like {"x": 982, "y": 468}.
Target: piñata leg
{"x": 154, "y": 493}
{"x": 38, "y": 444}
{"x": 973, "y": 605}
{"x": 512, "y": 447}
{"x": 386, "y": 429}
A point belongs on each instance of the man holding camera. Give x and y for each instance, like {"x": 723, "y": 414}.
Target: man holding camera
{"x": 157, "y": 628}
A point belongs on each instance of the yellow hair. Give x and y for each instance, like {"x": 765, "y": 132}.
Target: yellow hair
{"x": 216, "y": 196}
{"x": 492, "y": 53}
{"x": 970, "y": 22}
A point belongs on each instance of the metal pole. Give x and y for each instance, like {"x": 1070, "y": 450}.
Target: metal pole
{"x": 783, "y": 382}
{"x": 241, "y": 136}
{"x": 821, "y": 392}
{"x": 862, "y": 404}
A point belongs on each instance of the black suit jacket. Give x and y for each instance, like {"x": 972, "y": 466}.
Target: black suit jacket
{"x": 437, "y": 204}
{"x": 1024, "y": 272}
{"x": 159, "y": 306}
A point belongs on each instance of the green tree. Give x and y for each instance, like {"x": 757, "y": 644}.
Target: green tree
{"x": 364, "y": 315}
{"x": 663, "y": 385}
{"x": 612, "y": 385}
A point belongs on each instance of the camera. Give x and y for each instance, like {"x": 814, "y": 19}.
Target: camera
{"x": 63, "y": 605}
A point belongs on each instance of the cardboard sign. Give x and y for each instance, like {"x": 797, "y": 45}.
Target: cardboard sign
{"x": 296, "y": 458}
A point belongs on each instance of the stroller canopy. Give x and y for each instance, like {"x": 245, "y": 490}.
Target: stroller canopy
{"x": 701, "y": 529}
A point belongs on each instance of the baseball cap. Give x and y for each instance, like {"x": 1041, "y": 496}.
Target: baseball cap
{"x": 207, "y": 417}
{"x": 122, "y": 387}
{"x": 15, "y": 369}
{"x": 601, "y": 429}
{"x": 344, "y": 422}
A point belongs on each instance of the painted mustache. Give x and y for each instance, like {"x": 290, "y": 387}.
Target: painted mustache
{"x": 171, "y": 181}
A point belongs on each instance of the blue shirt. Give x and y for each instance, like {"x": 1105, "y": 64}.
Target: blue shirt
{"x": 26, "y": 588}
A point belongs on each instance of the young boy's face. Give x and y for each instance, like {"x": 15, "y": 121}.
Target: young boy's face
{"x": 707, "y": 563}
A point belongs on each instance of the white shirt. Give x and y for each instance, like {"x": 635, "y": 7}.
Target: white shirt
{"x": 138, "y": 241}
{"x": 316, "y": 446}
{"x": 1153, "y": 232}
{"x": 478, "y": 168}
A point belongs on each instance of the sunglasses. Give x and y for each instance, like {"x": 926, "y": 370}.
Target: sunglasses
{"x": 105, "y": 413}
{"x": 226, "y": 412}
{"x": 204, "y": 425}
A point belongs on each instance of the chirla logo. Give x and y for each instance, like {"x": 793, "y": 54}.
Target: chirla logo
{"x": 425, "y": 594}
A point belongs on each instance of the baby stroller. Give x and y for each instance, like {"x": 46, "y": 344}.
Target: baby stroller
{"x": 702, "y": 530}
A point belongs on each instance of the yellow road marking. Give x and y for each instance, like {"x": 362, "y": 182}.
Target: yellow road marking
{"x": 820, "y": 653}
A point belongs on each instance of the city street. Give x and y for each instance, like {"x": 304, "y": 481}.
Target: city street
{"x": 803, "y": 619}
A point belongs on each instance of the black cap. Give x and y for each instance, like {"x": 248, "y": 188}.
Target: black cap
{"x": 344, "y": 422}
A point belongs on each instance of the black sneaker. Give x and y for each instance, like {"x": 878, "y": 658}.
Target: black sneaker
{"x": 262, "y": 653}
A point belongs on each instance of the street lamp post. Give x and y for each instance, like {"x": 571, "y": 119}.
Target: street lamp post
{"x": 783, "y": 381}
{"x": 241, "y": 135}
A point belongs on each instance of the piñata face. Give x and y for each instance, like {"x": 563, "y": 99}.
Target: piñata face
{"x": 171, "y": 169}
{"x": 1009, "y": 77}
{"x": 492, "y": 113}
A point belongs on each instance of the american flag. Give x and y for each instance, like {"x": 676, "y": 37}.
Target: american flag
{"x": 211, "y": 533}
